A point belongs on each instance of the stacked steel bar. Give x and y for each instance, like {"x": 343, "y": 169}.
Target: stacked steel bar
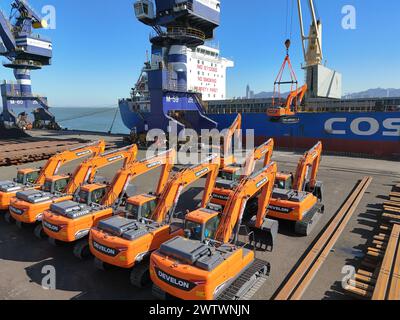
{"x": 378, "y": 277}
{"x": 19, "y": 151}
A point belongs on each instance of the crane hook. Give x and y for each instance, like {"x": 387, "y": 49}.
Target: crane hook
{"x": 287, "y": 45}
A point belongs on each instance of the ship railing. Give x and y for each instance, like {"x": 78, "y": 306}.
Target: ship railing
{"x": 179, "y": 32}
{"x": 186, "y": 5}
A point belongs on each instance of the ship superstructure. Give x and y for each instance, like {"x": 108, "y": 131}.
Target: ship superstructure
{"x": 166, "y": 91}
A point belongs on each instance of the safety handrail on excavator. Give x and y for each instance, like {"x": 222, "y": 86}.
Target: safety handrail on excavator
{"x": 233, "y": 213}
{"x": 311, "y": 159}
{"x": 60, "y": 159}
{"x": 125, "y": 175}
{"x": 173, "y": 189}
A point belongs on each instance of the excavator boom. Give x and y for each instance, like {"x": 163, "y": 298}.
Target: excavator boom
{"x": 227, "y": 158}
{"x": 169, "y": 198}
{"x": 135, "y": 169}
{"x": 86, "y": 172}
{"x": 55, "y": 162}
{"x": 265, "y": 150}
{"x": 311, "y": 159}
{"x": 248, "y": 188}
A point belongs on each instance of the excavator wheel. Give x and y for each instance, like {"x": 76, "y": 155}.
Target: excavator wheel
{"x": 82, "y": 249}
{"x": 39, "y": 232}
{"x": 140, "y": 275}
{"x": 8, "y": 218}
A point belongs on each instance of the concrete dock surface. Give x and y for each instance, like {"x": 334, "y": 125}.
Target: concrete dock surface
{"x": 22, "y": 256}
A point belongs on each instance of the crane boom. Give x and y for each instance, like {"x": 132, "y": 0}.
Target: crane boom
{"x": 313, "y": 50}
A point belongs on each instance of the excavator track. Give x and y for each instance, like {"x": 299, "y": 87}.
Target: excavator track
{"x": 307, "y": 225}
{"x": 140, "y": 276}
{"x": 248, "y": 283}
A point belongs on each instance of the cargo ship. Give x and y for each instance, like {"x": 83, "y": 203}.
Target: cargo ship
{"x": 184, "y": 83}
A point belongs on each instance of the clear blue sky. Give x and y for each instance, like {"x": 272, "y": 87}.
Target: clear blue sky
{"x": 99, "y": 47}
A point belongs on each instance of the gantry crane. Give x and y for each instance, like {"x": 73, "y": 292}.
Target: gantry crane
{"x": 70, "y": 221}
{"x": 25, "y": 51}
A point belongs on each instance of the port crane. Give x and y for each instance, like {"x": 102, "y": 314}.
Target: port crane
{"x": 70, "y": 221}
{"x": 26, "y": 52}
{"x": 210, "y": 263}
{"x": 34, "y": 178}
{"x": 128, "y": 241}
{"x": 28, "y": 206}
{"x": 321, "y": 81}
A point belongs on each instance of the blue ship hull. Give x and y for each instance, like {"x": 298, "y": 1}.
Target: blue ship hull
{"x": 369, "y": 133}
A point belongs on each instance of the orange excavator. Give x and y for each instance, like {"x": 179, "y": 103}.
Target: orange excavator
{"x": 210, "y": 263}
{"x": 227, "y": 183}
{"x": 300, "y": 200}
{"x": 285, "y": 111}
{"x": 30, "y": 178}
{"x": 290, "y": 107}
{"x": 28, "y": 206}
{"x": 126, "y": 241}
{"x": 70, "y": 221}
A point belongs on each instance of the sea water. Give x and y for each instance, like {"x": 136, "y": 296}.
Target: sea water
{"x": 90, "y": 119}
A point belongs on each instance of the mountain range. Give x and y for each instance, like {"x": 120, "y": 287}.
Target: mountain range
{"x": 370, "y": 93}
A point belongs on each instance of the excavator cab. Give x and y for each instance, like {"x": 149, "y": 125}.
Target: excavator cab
{"x": 202, "y": 224}
{"x": 140, "y": 206}
{"x": 56, "y": 184}
{"x": 284, "y": 181}
{"x": 91, "y": 194}
{"x": 27, "y": 176}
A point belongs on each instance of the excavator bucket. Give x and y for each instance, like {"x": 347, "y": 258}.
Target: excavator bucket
{"x": 264, "y": 238}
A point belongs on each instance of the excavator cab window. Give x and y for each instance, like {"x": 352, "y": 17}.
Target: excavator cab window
{"x": 83, "y": 196}
{"x": 196, "y": 230}
{"x": 60, "y": 185}
{"x": 30, "y": 177}
{"x": 97, "y": 195}
{"x": 230, "y": 176}
{"x": 211, "y": 228}
{"x": 285, "y": 184}
{"x": 200, "y": 232}
{"x": 144, "y": 211}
